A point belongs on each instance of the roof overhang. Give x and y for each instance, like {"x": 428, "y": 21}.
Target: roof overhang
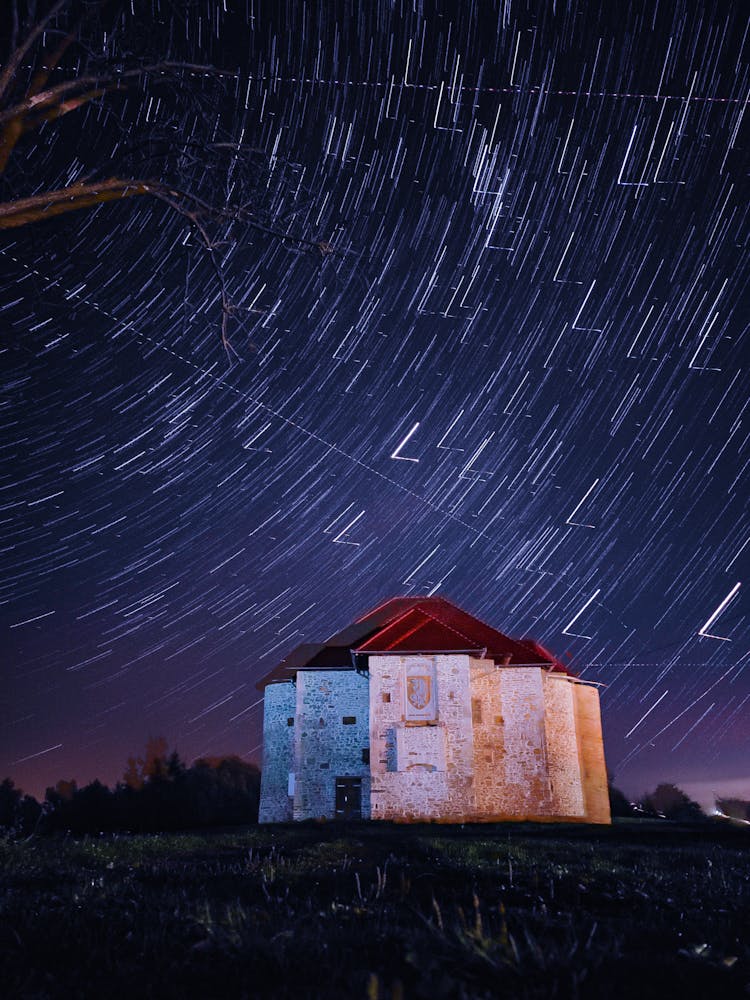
{"x": 409, "y": 626}
{"x": 419, "y": 652}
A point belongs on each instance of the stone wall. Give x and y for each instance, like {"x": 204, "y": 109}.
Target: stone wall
{"x": 489, "y": 739}
{"x": 591, "y": 754}
{"x": 525, "y": 779}
{"x": 421, "y": 770}
{"x": 325, "y": 746}
{"x": 279, "y": 705}
{"x": 562, "y": 746}
{"x": 506, "y": 743}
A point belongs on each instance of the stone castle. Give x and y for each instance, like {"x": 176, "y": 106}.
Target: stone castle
{"x": 418, "y": 711}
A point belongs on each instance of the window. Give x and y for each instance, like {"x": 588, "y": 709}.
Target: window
{"x": 365, "y": 755}
{"x": 476, "y": 711}
{"x": 386, "y": 697}
{"x": 290, "y": 721}
{"x": 349, "y": 720}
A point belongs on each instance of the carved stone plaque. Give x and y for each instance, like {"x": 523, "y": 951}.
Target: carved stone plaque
{"x": 420, "y": 695}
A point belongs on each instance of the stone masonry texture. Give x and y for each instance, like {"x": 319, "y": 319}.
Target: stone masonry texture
{"x": 505, "y": 742}
{"x": 325, "y": 746}
{"x": 279, "y": 705}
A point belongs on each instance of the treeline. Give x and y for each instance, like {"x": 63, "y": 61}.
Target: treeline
{"x": 668, "y": 801}
{"x": 158, "y": 792}
{"x": 734, "y": 809}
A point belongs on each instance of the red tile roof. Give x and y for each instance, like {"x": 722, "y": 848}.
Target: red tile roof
{"x": 416, "y": 631}
{"x": 412, "y": 625}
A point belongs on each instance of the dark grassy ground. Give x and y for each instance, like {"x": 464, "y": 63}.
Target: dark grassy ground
{"x": 378, "y": 911}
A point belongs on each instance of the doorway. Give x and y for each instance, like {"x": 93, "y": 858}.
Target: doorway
{"x": 348, "y": 798}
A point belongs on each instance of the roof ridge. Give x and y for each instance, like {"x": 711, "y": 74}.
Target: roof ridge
{"x": 400, "y": 597}
{"x": 426, "y": 618}
{"x": 385, "y": 627}
{"x": 452, "y": 628}
{"x": 491, "y": 628}
{"x": 486, "y": 624}
{"x": 372, "y": 611}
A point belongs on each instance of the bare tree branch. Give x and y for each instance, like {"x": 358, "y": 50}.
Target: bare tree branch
{"x": 42, "y": 103}
{"x": 24, "y": 211}
{"x": 111, "y": 81}
{"x": 17, "y": 54}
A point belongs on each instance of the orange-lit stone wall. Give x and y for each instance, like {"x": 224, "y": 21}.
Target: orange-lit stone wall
{"x": 591, "y": 754}
{"x": 489, "y": 739}
{"x": 506, "y": 745}
{"x": 526, "y": 793}
{"x": 421, "y": 771}
{"x": 562, "y": 746}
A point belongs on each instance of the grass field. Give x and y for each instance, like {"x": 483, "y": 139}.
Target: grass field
{"x": 379, "y": 911}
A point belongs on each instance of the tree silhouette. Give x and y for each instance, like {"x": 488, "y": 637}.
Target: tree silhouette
{"x": 671, "y": 802}
{"x": 154, "y": 764}
{"x": 19, "y": 813}
{"x": 619, "y": 804}
{"x": 10, "y": 803}
{"x": 75, "y": 60}
{"x": 734, "y": 808}
{"x": 159, "y": 792}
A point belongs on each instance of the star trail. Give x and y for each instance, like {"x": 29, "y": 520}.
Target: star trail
{"x": 487, "y": 278}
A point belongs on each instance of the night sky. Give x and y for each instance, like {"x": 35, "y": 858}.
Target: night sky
{"x": 519, "y": 381}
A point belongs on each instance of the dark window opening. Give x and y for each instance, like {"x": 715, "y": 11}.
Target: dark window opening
{"x": 365, "y": 755}
{"x": 349, "y": 720}
{"x": 386, "y": 697}
{"x": 348, "y": 798}
{"x": 290, "y": 721}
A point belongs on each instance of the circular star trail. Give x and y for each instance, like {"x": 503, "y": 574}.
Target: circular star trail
{"x": 486, "y": 337}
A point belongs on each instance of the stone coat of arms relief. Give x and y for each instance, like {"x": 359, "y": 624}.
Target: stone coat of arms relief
{"x": 419, "y": 690}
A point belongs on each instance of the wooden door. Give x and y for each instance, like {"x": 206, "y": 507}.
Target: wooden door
{"x": 348, "y": 798}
